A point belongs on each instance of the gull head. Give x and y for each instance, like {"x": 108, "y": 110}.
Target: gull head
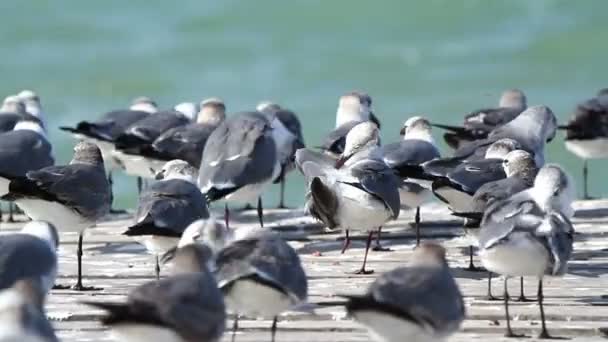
{"x": 87, "y": 153}
{"x": 416, "y": 127}
{"x": 541, "y": 115}
{"x": 554, "y": 189}
{"x": 354, "y": 106}
{"x": 13, "y": 104}
{"x": 519, "y": 162}
{"x": 178, "y": 169}
{"x": 43, "y": 230}
{"x": 189, "y": 109}
{"x": 31, "y": 101}
{"x": 513, "y": 98}
{"x": 267, "y": 107}
{"x": 144, "y": 104}
{"x": 212, "y": 112}
{"x": 208, "y": 231}
{"x": 500, "y": 148}
{"x": 362, "y": 137}
{"x": 192, "y": 258}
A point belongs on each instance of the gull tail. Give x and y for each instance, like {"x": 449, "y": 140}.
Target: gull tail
{"x": 147, "y": 227}
{"x": 324, "y": 203}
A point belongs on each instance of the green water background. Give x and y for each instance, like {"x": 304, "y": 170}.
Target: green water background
{"x": 439, "y": 58}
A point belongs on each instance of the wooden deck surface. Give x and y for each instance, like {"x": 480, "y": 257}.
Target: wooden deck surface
{"x": 576, "y": 304}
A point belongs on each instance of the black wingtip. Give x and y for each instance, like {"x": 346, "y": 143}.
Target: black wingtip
{"x": 215, "y": 194}
{"x": 469, "y": 215}
{"x": 455, "y": 129}
{"x": 149, "y": 228}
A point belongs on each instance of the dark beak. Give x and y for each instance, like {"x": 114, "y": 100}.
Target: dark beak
{"x": 402, "y": 131}
{"x": 168, "y": 256}
{"x": 340, "y": 162}
{"x": 160, "y": 175}
{"x": 565, "y": 127}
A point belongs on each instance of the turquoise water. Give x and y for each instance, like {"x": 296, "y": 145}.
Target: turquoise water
{"x": 439, "y": 58}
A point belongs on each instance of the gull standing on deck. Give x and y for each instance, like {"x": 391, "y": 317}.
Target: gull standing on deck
{"x": 260, "y": 276}
{"x": 478, "y": 124}
{"x": 419, "y": 302}
{"x": 358, "y": 192}
{"x": 239, "y": 161}
{"x": 530, "y": 234}
{"x": 185, "y": 307}
{"x": 587, "y": 132}
{"x": 417, "y": 147}
{"x": 166, "y": 208}
{"x": 71, "y": 197}
{"x": 293, "y": 141}
{"x": 353, "y": 108}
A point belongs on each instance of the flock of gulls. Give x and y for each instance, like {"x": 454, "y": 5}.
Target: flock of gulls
{"x": 516, "y": 209}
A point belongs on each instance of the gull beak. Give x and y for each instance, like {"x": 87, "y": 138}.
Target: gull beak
{"x": 564, "y": 127}
{"x": 160, "y": 175}
{"x": 168, "y": 256}
{"x": 340, "y": 162}
{"x": 402, "y": 131}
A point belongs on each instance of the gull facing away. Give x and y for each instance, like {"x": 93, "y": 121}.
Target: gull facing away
{"x": 417, "y": 147}
{"x": 25, "y": 148}
{"x": 260, "y": 276}
{"x": 12, "y": 111}
{"x": 357, "y": 192}
{"x": 530, "y": 234}
{"x": 239, "y": 161}
{"x": 30, "y": 254}
{"x": 587, "y": 132}
{"x": 22, "y": 315}
{"x": 478, "y": 124}
{"x": 419, "y": 302}
{"x": 166, "y": 208}
{"x": 353, "y": 108}
{"x": 185, "y": 307}
{"x": 287, "y": 146}
{"x": 71, "y": 197}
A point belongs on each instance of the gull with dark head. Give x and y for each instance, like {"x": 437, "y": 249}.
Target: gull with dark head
{"x": 419, "y": 302}
{"x": 166, "y": 208}
{"x": 71, "y": 197}
{"x": 185, "y": 307}
{"x": 530, "y": 233}
{"x": 478, "y": 124}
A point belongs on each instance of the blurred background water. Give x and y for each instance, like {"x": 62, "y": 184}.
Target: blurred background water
{"x": 440, "y": 58}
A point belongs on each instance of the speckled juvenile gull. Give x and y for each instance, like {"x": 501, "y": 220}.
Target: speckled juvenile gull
{"x": 587, "y": 132}
{"x": 166, "y": 208}
{"x": 360, "y": 192}
{"x": 29, "y": 254}
{"x": 22, "y": 316}
{"x": 416, "y": 148}
{"x": 530, "y": 234}
{"x": 478, "y": 124}
{"x": 72, "y": 197}
{"x": 419, "y": 302}
{"x": 353, "y": 108}
{"x": 185, "y": 307}
{"x": 292, "y": 142}
{"x": 239, "y": 160}
{"x": 261, "y": 276}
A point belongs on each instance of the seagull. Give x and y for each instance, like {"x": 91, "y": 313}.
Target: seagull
{"x": 418, "y": 302}
{"x": 188, "y": 141}
{"x": 358, "y": 192}
{"x": 184, "y": 307}
{"x": 260, "y": 276}
{"x": 104, "y": 131}
{"x": 22, "y": 316}
{"x": 239, "y": 161}
{"x": 478, "y": 124}
{"x": 12, "y": 111}
{"x": 207, "y": 231}
{"x": 292, "y": 142}
{"x": 587, "y": 132}
{"x": 31, "y": 100}
{"x": 25, "y": 148}
{"x": 353, "y": 108}
{"x": 71, "y": 197}
{"x": 166, "y": 208}
{"x": 417, "y": 147}
{"x": 29, "y": 254}
{"x": 530, "y": 234}
{"x": 532, "y": 129}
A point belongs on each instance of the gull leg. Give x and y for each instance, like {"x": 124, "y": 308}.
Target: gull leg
{"x": 544, "y": 334}
{"x": 78, "y": 286}
{"x": 509, "y": 332}
{"x": 157, "y": 268}
{"x": 11, "y": 208}
{"x": 378, "y": 247}
{"x": 282, "y": 189}
{"x": 235, "y": 326}
{"x": 489, "y": 295}
{"x": 417, "y": 222}
{"x": 139, "y": 185}
{"x": 522, "y": 297}
{"x": 273, "y": 329}
{"x": 260, "y": 212}
{"x": 585, "y": 180}
{"x": 346, "y": 243}
{"x": 367, "y": 244}
{"x": 226, "y": 215}
{"x": 472, "y": 267}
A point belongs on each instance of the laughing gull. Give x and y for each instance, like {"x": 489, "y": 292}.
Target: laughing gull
{"x": 286, "y": 149}
{"x": 419, "y": 302}
{"x": 185, "y": 307}
{"x": 25, "y": 148}
{"x": 166, "y": 208}
{"x": 587, "y": 132}
{"x": 417, "y": 147}
{"x": 353, "y": 108}
{"x": 478, "y": 124}
{"x": 532, "y": 129}
{"x": 260, "y": 276}
{"x": 359, "y": 192}
{"x": 12, "y": 111}
{"x": 104, "y": 131}
{"x": 30, "y": 254}
{"x": 22, "y": 316}
{"x": 188, "y": 141}
{"x": 239, "y": 161}
{"x": 530, "y": 234}
{"x": 72, "y": 197}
